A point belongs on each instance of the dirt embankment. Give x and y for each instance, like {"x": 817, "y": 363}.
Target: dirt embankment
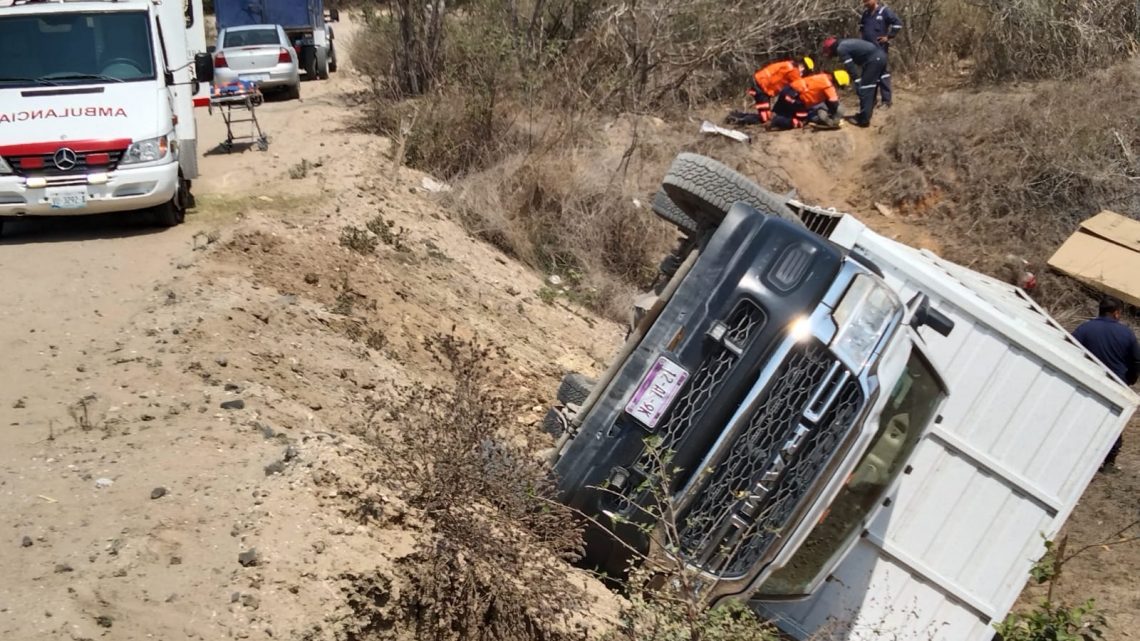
{"x": 182, "y": 453}
{"x": 183, "y": 448}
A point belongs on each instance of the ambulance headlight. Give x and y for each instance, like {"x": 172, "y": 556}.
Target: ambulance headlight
{"x": 148, "y": 150}
{"x": 863, "y": 316}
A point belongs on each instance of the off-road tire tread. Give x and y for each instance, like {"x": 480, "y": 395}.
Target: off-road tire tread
{"x": 574, "y": 389}
{"x": 706, "y": 189}
{"x": 552, "y": 423}
{"x": 668, "y": 210}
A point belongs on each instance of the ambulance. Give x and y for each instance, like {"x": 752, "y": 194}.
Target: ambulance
{"x": 97, "y": 107}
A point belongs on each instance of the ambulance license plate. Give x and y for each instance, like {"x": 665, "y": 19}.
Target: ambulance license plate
{"x": 656, "y": 393}
{"x": 67, "y": 198}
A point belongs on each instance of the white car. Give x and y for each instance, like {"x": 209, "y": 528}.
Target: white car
{"x": 259, "y": 53}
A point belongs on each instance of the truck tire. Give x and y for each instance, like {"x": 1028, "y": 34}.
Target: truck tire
{"x": 706, "y": 189}
{"x": 574, "y": 389}
{"x": 668, "y": 210}
{"x": 552, "y": 423}
{"x": 308, "y": 60}
{"x": 173, "y": 212}
{"x": 332, "y": 58}
{"x": 322, "y": 67}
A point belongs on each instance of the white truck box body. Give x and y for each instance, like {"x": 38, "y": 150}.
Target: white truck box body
{"x": 1030, "y": 417}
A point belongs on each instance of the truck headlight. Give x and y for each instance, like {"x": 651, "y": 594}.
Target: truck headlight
{"x": 5, "y": 168}
{"x": 862, "y": 316}
{"x": 148, "y": 150}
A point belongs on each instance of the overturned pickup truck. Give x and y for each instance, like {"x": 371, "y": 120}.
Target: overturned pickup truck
{"x": 861, "y": 438}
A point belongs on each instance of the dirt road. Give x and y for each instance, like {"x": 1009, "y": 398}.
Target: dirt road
{"x": 181, "y": 409}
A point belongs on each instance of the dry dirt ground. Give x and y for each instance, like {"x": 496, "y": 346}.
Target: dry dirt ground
{"x": 180, "y": 451}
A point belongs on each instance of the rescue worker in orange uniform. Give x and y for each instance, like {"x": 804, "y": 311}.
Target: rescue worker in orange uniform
{"x": 811, "y": 99}
{"x": 767, "y": 83}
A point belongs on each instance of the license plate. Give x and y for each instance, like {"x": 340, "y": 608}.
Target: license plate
{"x": 255, "y": 77}
{"x": 67, "y": 198}
{"x": 656, "y": 392}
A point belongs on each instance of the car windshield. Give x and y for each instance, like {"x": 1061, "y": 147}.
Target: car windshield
{"x": 251, "y": 38}
{"x": 75, "y": 48}
{"x": 910, "y": 408}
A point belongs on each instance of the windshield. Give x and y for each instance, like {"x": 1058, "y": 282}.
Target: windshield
{"x": 910, "y": 408}
{"x": 75, "y": 48}
{"x": 251, "y": 38}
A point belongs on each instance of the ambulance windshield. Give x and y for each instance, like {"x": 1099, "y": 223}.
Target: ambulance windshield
{"x": 75, "y": 48}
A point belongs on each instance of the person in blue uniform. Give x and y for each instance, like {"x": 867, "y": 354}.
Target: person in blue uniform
{"x": 879, "y": 25}
{"x": 864, "y": 61}
{"x": 1115, "y": 345}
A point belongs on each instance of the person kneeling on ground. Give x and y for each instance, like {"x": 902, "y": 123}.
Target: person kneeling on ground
{"x": 864, "y": 61}
{"x": 766, "y": 85}
{"x": 812, "y": 99}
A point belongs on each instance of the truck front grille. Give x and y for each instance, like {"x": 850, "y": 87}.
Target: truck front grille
{"x": 809, "y": 409}
{"x": 743, "y": 324}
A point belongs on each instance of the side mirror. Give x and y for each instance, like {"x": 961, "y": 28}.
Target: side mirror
{"x": 203, "y": 67}
{"x": 168, "y": 77}
{"x": 926, "y": 315}
{"x": 334, "y": 14}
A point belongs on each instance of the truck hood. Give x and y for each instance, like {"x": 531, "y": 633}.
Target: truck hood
{"x": 134, "y": 110}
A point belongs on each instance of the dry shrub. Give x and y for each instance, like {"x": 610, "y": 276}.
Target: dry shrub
{"x": 492, "y": 566}
{"x": 578, "y": 208}
{"x": 664, "y": 53}
{"x": 1017, "y": 39}
{"x": 1016, "y": 171}
{"x": 1045, "y": 38}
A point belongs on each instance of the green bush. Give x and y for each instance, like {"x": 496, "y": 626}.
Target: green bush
{"x": 1048, "y": 622}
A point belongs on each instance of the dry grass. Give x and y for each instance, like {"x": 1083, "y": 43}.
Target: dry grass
{"x": 1016, "y": 171}
{"x": 491, "y": 564}
{"x": 578, "y": 210}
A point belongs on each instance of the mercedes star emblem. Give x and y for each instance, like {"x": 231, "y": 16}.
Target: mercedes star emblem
{"x": 65, "y": 159}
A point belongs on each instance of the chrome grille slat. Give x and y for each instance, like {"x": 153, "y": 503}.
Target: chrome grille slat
{"x": 810, "y": 408}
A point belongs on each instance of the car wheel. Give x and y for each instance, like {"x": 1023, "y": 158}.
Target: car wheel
{"x": 706, "y": 189}
{"x": 173, "y": 212}
{"x": 668, "y": 210}
{"x": 294, "y": 91}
